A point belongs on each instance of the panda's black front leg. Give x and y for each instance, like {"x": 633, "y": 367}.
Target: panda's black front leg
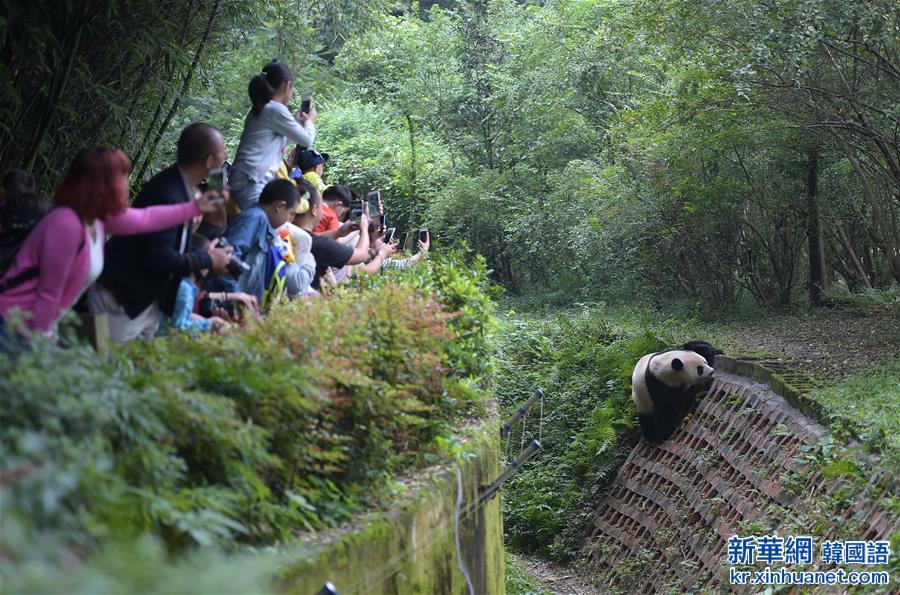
{"x": 648, "y": 426}
{"x": 667, "y": 418}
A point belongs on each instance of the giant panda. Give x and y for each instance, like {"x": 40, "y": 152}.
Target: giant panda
{"x": 665, "y": 384}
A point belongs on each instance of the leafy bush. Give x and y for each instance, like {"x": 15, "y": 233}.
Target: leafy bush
{"x": 459, "y": 281}
{"x": 583, "y": 363}
{"x": 242, "y": 439}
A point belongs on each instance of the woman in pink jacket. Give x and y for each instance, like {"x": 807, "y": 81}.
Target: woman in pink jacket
{"x": 63, "y": 254}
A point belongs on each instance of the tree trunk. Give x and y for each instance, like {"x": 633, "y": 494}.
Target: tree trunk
{"x": 413, "y": 183}
{"x": 186, "y": 83}
{"x": 55, "y": 94}
{"x": 817, "y": 281}
{"x": 851, "y": 255}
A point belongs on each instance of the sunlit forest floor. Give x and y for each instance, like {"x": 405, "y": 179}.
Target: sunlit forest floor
{"x": 827, "y": 343}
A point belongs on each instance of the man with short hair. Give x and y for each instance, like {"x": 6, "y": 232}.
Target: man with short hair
{"x": 335, "y": 209}
{"x": 142, "y": 273}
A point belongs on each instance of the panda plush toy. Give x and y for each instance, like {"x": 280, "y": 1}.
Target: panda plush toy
{"x": 665, "y": 384}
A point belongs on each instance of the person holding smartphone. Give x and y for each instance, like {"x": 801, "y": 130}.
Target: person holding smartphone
{"x": 142, "y": 273}
{"x": 268, "y": 129}
{"x": 336, "y": 213}
{"x": 63, "y": 254}
{"x": 326, "y": 251}
{"x": 424, "y": 244}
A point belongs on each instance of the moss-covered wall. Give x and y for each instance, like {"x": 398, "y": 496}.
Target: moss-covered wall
{"x": 412, "y": 548}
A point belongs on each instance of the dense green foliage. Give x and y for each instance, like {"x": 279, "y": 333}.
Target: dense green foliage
{"x": 583, "y": 362}
{"x": 294, "y": 423}
{"x": 644, "y": 150}
{"x": 649, "y": 148}
{"x": 653, "y": 148}
{"x": 127, "y": 73}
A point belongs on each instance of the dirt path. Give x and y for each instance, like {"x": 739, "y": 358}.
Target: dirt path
{"x": 829, "y": 344}
{"x": 559, "y": 580}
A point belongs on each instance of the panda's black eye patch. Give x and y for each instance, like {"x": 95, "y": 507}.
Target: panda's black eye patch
{"x": 699, "y": 370}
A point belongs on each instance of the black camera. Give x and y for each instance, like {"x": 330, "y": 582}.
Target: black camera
{"x": 236, "y": 266}
{"x": 208, "y": 307}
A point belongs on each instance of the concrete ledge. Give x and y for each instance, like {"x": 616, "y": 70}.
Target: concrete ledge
{"x": 788, "y": 383}
{"x": 412, "y": 547}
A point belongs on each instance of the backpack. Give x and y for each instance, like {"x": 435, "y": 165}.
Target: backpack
{"x": 11, "y": 241}
{"x": 274, "y": 279}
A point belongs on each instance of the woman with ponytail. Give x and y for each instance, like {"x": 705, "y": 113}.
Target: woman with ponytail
{"x": 268, "y": 128}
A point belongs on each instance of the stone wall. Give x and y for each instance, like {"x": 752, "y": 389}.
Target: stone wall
{"x": 412, "y": 548}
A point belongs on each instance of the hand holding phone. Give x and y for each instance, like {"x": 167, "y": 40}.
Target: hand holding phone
{"x": 424, "y": 243}
{"x": 209, "y": 202}
{"x": 373, "y": 202}
{"x": 356, "y": 210}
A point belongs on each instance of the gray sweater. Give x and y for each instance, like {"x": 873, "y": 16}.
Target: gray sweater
{"x": 263, "y": 139}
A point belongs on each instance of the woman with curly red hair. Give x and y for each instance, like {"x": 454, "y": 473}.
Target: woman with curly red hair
{"x": 63, "y": 254}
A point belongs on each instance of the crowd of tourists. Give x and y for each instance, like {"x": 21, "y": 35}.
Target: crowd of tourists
{"x": 205, "y": 245}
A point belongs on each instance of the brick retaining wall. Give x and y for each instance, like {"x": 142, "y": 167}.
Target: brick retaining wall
{"x": 737, "y": 459}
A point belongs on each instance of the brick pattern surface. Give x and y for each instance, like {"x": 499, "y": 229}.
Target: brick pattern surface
{"x": 674, "y": 505}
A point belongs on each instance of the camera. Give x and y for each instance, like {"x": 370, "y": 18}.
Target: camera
{"x": 209, "y": 307}
{"x": 236, "y": 266}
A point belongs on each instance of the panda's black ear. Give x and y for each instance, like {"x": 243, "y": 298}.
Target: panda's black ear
{"x": 677, "y": 364}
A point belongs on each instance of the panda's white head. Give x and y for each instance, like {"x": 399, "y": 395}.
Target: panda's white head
{"x": 681, "y": 368}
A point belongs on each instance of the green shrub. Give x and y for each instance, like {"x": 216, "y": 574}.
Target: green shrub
{"x": 293, "y": 423}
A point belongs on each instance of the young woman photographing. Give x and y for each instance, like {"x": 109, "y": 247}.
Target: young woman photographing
{"x": 268, "y": 129}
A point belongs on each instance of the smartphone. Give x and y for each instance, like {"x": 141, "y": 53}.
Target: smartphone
{"x": 216, "y": 180}
{"x": 389, "y": 235}
{"x": 373, "y": 201}
{"x": 356, "y": 210}
{"x": 306, "y": 105}
{"x": 423, "y": 235}
{"x": 383, "y": 222}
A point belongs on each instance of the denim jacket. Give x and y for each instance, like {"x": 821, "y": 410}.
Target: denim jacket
{"x": 251, "y": 234}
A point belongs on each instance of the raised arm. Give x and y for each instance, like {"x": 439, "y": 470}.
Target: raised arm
{"x": 361, "y": 252}
{"x": 284, "y": 123}
{"x": 150, "y": 219}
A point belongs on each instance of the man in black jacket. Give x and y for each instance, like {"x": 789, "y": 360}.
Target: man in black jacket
{"x": 141, "y": 271}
